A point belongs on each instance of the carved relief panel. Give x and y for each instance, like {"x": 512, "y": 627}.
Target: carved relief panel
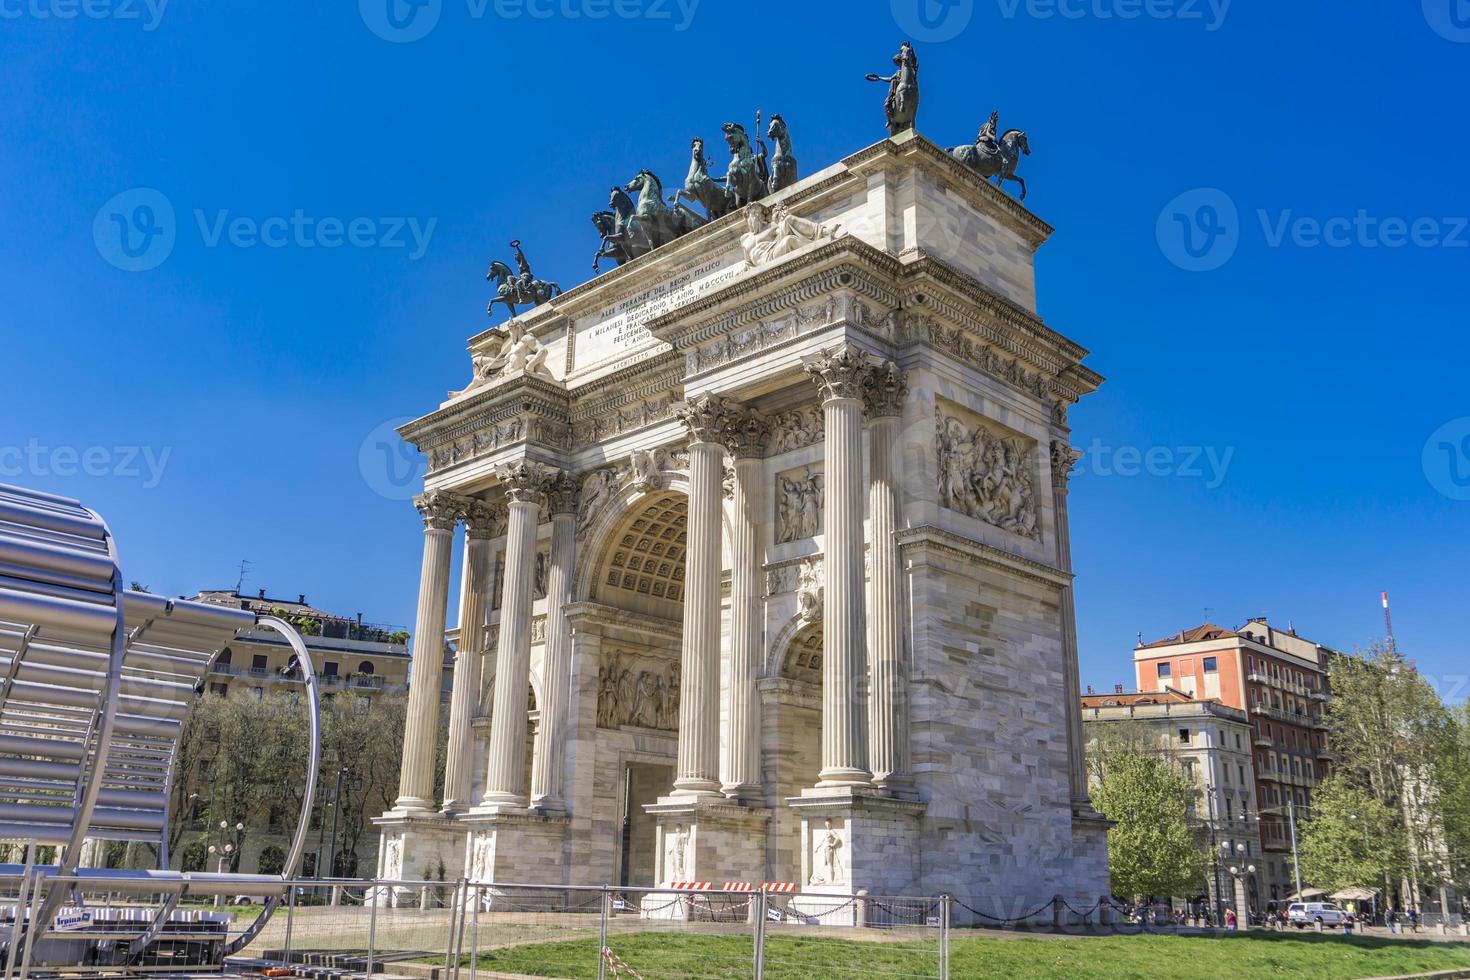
{"x": 639, "y": 691}
{"x": 985, "y": 472}
{"x": 799, "y": 503}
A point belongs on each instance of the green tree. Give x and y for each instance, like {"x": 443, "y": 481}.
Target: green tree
{"x": 1396, "y": 743}
{"x": 1352, "y": 840}
{"x": 1153, "y": 850}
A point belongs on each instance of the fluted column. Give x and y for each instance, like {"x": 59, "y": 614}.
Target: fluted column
{"x": 698, "y": 773}
{"x": 746, "y": 435}
{"x": 546, "y": 768}
{"x": 888, "y": 714}
{"x": 505, "y": 776}
{"x": 441, "y": 512}
{"x": 1063, "y": 458}
{"x": 839, "y": 374}
{"x": 481, "y": 525}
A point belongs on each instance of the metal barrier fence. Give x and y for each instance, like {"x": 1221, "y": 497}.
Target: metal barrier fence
{"x": 433, "y": 930}
{"x": 473, "y": 931}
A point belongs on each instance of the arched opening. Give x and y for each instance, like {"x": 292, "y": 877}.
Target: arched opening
{"x": 793, "y": 723}
{"x": 366, "y": 667}
{"x": 638, "y": 587}
{"x": 642, "y": 566}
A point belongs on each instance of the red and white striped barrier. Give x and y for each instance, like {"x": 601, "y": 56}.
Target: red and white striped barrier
{"x": 779, "y": 887}
{"x": 619, "y": 966}
{"x": 691, "y": 886}
{"x": 738, "y": 886}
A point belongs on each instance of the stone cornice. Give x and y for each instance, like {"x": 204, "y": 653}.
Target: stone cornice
{"x": 521, "y": 396}
{"x": 927, "y": 537}
{"x": 1003, "y": 312}
{"x": 594, "y": 617}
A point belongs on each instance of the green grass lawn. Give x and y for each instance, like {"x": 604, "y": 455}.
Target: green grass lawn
{"x": 1307, "y": 957}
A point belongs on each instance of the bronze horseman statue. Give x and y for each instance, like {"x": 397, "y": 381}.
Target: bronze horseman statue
{"x": 522, "y": 289}
{"x": 902, "y": 104}
{"x": 998, "y": 158}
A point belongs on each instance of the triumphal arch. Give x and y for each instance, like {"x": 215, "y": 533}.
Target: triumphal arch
{"x": 766, "y": 569}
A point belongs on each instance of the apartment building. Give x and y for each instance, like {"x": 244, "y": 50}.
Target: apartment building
{"x": 1279, "y": 679}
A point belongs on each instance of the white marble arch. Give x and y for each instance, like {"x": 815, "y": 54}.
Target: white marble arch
{"x": 601, "y": 536}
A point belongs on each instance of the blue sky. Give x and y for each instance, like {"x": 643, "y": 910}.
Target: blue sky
{"x": 1285, "y": 433}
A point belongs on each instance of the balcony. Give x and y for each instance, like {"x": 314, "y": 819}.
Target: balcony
{"x": 1269, "y": 776}
{"x": 1263, "y": 742}
{"x": 1326, "y": 754}
{"x": 1289, "y": 717}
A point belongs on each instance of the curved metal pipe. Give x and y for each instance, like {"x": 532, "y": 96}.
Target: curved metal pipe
{"x": 303, "y": 823}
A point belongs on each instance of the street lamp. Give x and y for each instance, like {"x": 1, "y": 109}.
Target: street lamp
{"x": 225, "y": 850}
{"x": 336, "y": 799}
{"x": 1239, "y": 874}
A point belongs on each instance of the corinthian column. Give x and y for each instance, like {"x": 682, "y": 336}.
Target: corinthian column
{"x": 888, "y": 737}
{"x": 481, "y": 523}
{"x": 546, "y": 768}
{"x": 698, "y": 772}
{"x": 416, "y": 777}
{"x": 1063, "y": 458}
{"x": 840, "y": 374}
{"x": 505, "y": 776}
{"x": 746, "y": 434}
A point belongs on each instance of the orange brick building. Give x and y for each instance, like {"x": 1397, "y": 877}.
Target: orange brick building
{"x": 1280, "y": 680}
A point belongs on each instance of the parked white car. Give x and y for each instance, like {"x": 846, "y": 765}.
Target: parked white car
{"x": 1303, "y": 914}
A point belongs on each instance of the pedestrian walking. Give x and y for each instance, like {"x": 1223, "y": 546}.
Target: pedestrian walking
{"x": 1230, "y": 921}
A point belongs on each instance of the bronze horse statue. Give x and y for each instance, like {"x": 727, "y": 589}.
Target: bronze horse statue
{"x": 613, "y": 226}
{"x": 745, "y": 182}
{"x": 701, "y": 188}
{"x": 656, "y": 221}
{"x": 783, "y": 164}
{"x": 990, "y": 157}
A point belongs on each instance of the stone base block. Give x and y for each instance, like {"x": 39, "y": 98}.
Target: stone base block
{"x": 417, "y": 847}
{"x": 517, "y": 847}
{"x": 711, "y": 841}
{"x": 856, "y": 839}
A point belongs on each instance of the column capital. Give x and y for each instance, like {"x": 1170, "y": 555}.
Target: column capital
{"x": 746, "y": 432}
{"x": 564, "y": 493}
{"x": 484, "y": 520}
{"x": 525, "y": 482}
{"x": 705, "y": 417}
{"x": 884, "y": 390}
{"x": 1063, "y": 459}
{"x": 441, "y": 510}
{"x": 839, "y": 372}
